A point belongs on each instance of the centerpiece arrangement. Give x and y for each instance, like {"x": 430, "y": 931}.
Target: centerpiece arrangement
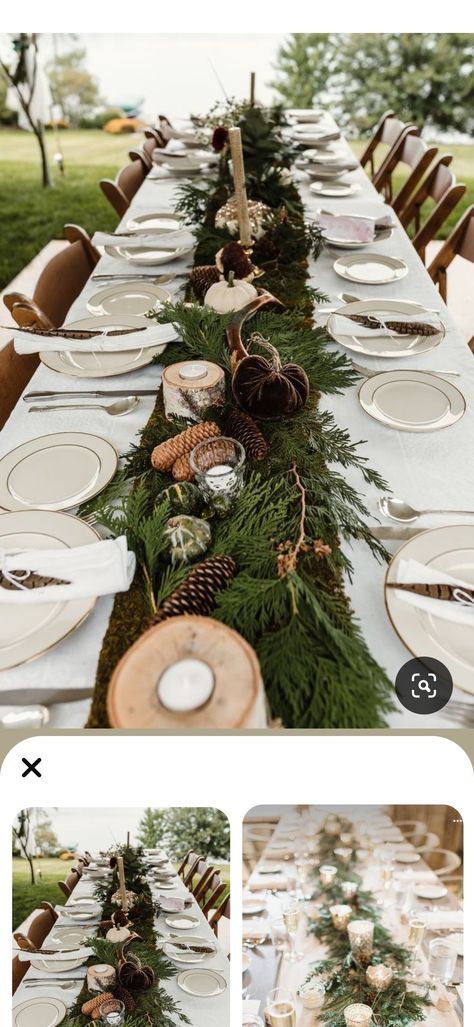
{"x": 252, "y": 491}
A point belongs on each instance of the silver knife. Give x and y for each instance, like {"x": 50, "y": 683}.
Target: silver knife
{"x": 31, "y": 397}
{"x": 385, "y": 532}
{"x": 45, "y": 696}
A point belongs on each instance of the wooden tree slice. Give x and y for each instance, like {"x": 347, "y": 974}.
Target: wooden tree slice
{"x": 234, "y": 331}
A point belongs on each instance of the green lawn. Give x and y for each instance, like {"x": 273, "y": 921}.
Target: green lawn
{"x": 26, "y": 896}
{"x": 30, "y": 216}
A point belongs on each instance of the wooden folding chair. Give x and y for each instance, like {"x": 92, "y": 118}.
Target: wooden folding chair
{"x": 193, "y": 863}
{"x": 376, "y": 138}
{"x": 67, "y": 886}
{"x": 438, "y": 185}
{"x": 382, "y": 179}
{"x": 222, "y": 911}
{"x": 155, "y": 135}
{"x": 413, "y": 153}
{"x": 212, "y": 901}
{"x": 387, "y": 133}
{"x": 210, "y": 879}
{"x": 200, "y": 869}
{"x": 459, "y": 243}
{"x": 38, "y": 930}
{"x": 120, "y": 192}
{"x": 143, "y": 156}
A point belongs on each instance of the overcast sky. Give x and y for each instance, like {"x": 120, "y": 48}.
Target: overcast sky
{"x": 94, "y": 828}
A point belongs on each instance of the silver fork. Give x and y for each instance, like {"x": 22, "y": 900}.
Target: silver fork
{"x": 368, "y": 372}
{"x": 62, "y": 985}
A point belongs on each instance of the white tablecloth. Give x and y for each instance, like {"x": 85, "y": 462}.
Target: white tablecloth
{"x": 428, "y": 470}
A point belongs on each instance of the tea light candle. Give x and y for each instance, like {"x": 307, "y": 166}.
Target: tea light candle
{"x": 361, "y": 938}
{"x": 343, "y": 854}
{"x": 327, "y": 874}
{"x": 101, "y": 977}
{"x": 312, "y": 994}
{"x": 112, "y": 1012}
{"x": 221, "y": 478}
{"x": 357, "y": 1015}
{"x": 193, "y": 370}
{"x": 186, "y": 685}
{"x": 192, "y": 387}
{"x": 379, "y": 977}
{"x": 340, "y": 915}
{"x": 349, "y": 889}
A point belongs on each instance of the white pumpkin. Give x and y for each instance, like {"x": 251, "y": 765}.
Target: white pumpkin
{"x": 231, "y": 295}
{"x": 118, "y": 934}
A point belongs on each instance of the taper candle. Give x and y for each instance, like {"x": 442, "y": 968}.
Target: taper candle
{"x": 238, "y": 170}
{"x": 123, "y": 888}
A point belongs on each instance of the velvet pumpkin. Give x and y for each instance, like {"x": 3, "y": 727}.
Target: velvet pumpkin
{"x": 265, "y": 388}
{"x": 134, "y": 976}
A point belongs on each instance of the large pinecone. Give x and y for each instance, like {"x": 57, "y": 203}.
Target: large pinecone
{"x": 243, "y": 428}
{"x": 165, "y": 455}
{"x": 202, "y": 277}
{"x": 197, "y": 593}
{"x": 182, "y": 470}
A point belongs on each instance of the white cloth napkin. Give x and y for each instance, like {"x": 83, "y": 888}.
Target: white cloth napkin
{"x": 254, "y": 928}
{"x": 411, "y": 571}
{"x": 440, "y": 920}
{"x": 178, "y": 238}
{"x": 82, "y": 952}
{"x": 169, "y": 904}
{"x": 95, "y": 570}
{"x": 268, "y": 882}
{"x": 155, "y": 335}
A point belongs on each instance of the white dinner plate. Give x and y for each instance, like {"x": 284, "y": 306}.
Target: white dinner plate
{"x": 144, "y": 256}
{"x": 414, "y": 401}
{"x": 372, "y": 343}
{"x": 305, "y": 115}
{"x": 250, "y": 907}
{"x": 41, "y": 626}
{"x": 326, "y": 173}
{"x": 370, "y": 268}
{"x": 56, "y": 472}
{"x": 39, "y": 1012}
{"x": 165, "y": 885}
{"x": 103, "y": 365}
{"x": 430, "y": 891}
{"x": 450, "y": 550}
{"x": 407, "y": 857}
{"x": 201, "y": 983}
{"x": 164, "y": 220}
{"x": 57, "y": 966}
{"x": 352, "y": 244}
{"x": 67, "y": 938}
{"x": 270, "y": 868}
{"x": 130, "y": 298}
{"x": 83, "y": 902}
{"x": 182, "y": 922}
{"x": 335, "y": 188}
{"x": 77, "y": 914}
{"x": 178, "y": 955}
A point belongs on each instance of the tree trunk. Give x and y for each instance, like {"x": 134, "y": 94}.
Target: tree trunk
{"x": 38, "y": 130}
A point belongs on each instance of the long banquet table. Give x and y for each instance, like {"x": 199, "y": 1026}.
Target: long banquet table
{"x": 428, "y": 470}
{"x": 202, "y": 1012}
{"x": 269, "y": 970}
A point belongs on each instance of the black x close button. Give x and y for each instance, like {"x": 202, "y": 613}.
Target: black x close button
{"x": 31, "y": 768}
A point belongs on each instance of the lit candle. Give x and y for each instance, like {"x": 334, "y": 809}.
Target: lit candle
{"x": 379, "y": 977}
{"x": 349, "y": 889}
{"x": 357, "y": 1015}
{"x": 123, "y": 888}
{"x": 327, "y": 874}
{"x": 340, "y": 916}
{"x": 221, "y": 478}
{"x": 361, "y": 938}
{"x": 343, "y": 854}
{"x": 186, "y": 685}
{"x": 312, "y": 994}
{"x": 193, "y": 370}
{"x": 238, "y": 170}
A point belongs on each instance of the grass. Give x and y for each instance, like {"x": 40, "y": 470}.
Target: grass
{"x": 31, "y": 216}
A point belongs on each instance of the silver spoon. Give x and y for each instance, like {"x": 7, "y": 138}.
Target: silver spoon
{"x": 399, "y": 510}
{"x": 117, "y": 409}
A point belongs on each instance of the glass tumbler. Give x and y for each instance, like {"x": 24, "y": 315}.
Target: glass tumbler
{"x": 218, "y": 466}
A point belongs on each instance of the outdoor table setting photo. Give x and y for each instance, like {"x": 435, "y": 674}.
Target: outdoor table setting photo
{"x": 134, "y": 932}
{"x": 235, "y": 487}
{"x": 352, "y": 916}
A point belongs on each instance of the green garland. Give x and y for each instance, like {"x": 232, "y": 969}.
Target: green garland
{"x": 154, "y": 1008}
{"x": 285, "y": 530}
{"x": 344, "y": 977}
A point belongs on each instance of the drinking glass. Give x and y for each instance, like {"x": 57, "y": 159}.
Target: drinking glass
{"x": 416, "y": 933}
{"x": 280, "y": 1009}
{"x": 218, "y": 466}
{"x": 252, "y": 1020}
{"x": 441, "y": 960}
{"x": 386, "y": 876}
{"x": 112, "y": 1012}
{"x": 279, "y": 934}
{"x": 291, "y": 881}
{"x": 402, "y": 892}
{"x": 291, "y": 919}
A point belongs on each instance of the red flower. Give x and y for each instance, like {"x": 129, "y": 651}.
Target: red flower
{"x": 219, "y": 138}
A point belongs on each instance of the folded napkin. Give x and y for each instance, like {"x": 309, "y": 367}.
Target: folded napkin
{"x": 441, "y": 920}
{"x": 266, "y": 881}
{"x": 173, "y": 146}
{"x": 412, "y": 572}
{"x": 179, "y": 238}
{"x": 171, "y": 904}
{"x": 254, "y": 929}
{"x": 87, "y": 571}
{"x": 78, "y": 953}
{"x": 155, "y": 335}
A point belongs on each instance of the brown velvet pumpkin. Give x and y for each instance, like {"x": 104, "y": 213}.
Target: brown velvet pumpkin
{"x": 134, "y": 976}
{"x": 265, "y": 388}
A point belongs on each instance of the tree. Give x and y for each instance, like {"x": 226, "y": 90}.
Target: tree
{"x": 22, "y": 74}
{"x": 23, "y": 835}
{"x": 46, "y": 839}
{"x": 203, "y": 829}
{"x": 73, "y": 88}
{"x": 305, "y": 64}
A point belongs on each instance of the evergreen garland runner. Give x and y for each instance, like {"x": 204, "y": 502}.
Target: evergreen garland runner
{"x": 154, "y": 1007}
{"x": 285, "y": 531}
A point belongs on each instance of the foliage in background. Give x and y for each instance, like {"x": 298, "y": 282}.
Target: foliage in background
{"x": 74, "y": 90}
{"x": 205, "y": 830}
{"x": 426, "y": 78}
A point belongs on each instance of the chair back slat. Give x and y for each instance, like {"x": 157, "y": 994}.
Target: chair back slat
{"x": 460, "y": 242}
{"x": 382, "y": 179}
{"x": 417, "y": 157}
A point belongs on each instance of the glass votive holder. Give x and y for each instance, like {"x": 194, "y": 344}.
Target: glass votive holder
{"x": 442, "y": 960}
{"x": 402, "y": 890}
{"x": 327, "y": 874}
{"x": 349, "y": 889}
{"x": 346, "y": 838}
{"x": 357, "y": 1015}
{"x": 362, "y": 855}
{"x": 313, "y": 911}
{"x": 361, "y": 939}
{"x": 312, "y": 994}
{"x": 343, "y": 854}
{"x": 112, "y": 1012}
{"x": 218, "y": 466}
{"x": 379, "y": 977}
{"x": 279, "y": 934}
{"x": 340, "y": 916}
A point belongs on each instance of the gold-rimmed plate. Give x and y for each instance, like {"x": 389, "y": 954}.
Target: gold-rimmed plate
{"x": 201, "y": 983}
{"x": 413, "y": 401}
{"x": 83, "y": 364}
{"x": 127, "y": 298}
{"x": 370, "y": 268}
{"x": 375, "y": 343}
{"x": 39, "y": 1012}
{"x": 56, "y": 472}
{"x": 39, "y": 628}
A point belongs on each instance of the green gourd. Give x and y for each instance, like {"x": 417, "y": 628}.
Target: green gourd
{"x": 183, "y": 497}
{"x": 189, "y": 538}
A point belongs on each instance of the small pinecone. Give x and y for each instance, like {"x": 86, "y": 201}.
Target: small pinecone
{"x": 243, "y": 428}
{"x": 201, "y": 278}
{"x": 164, "y": 456}
{"x": 234, "y": 258}
{"x": 181, "y": 469}
{"x": 125, "y": 997}
{"x": 197, "y": 593}
{"x": 92, "y": 1004}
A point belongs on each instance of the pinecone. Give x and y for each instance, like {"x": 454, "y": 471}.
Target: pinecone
{"x": 197, "y": 593}
{"x": 164, "y": 456}
{"x": 233, "y": 257}
{"x": 125, "y": 997}
{"x": 202, "y": 277}
{"x": 243, "y": 428}
{"x": 181, "y": 469}
{"x": 92, "y": 1004}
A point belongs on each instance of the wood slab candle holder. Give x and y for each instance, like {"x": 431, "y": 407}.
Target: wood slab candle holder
{"x": 192, "y": 397}
{"x": 234, "y": 331}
